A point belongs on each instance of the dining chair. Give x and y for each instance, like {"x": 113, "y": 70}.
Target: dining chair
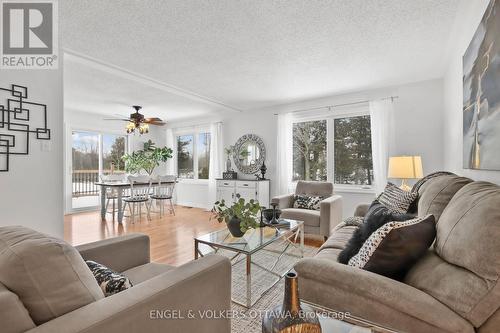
{"x": 140, "y": 187}
{"x": 112, "y": 194}
{"x": 163, "y": 191}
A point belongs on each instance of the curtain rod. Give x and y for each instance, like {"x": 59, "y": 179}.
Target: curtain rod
{"x": 392, "y": 98}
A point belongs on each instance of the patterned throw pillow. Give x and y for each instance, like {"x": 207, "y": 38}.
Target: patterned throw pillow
{"x": 376, "y": 216}
{"x": 110, "y": 281}
{"x": 307, "y": 202}
{"x": 397, "y": 199}
{"x": 393, "y": 248}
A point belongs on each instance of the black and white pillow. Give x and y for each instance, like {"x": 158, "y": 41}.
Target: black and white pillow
{"x": 393, "y": 248}
{"x": 307, "y": 202}
{"x": 110, "y": 281}
{"x": 376, "y": 216}
{"x": 397, "y": 199}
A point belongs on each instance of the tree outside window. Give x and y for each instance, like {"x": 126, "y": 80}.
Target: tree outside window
{"x": 203, "y": 155}
{"x": 309, "y": 150}
{"x": 353, "y": 163}
{"x": 352, "y": 150}
{"x": 113, "y": 149}
{"x": 193, "y": 155}
{"x": 185, "y": 156}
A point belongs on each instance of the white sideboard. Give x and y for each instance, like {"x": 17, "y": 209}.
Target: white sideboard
{"x": 247, "y": 189}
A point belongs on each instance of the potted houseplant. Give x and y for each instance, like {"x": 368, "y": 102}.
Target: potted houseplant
{"x": 239, "y": 217}
{"x": 146, "y": 159}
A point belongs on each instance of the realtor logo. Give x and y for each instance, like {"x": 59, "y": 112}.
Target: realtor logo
{"x": 29, "y": 34}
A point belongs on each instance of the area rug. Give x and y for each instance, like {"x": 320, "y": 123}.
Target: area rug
{"x": 250, "y": 320}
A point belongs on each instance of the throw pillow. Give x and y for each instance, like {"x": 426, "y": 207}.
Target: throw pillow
{"x": 396, "y": 246}
{"x": 397, "y": 199}
{"x": 377, "y": 216}
{"x": 307, "y": 202}
{"x": 110, "y": 281}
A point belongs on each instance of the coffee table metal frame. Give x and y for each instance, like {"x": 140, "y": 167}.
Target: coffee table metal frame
{"x": 289, "y": 237}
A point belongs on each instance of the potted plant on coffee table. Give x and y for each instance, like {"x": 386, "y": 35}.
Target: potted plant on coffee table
{"x": 239, "y": 217}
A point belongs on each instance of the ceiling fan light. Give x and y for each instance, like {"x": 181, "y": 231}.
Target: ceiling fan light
{"x": 143, "y": 128}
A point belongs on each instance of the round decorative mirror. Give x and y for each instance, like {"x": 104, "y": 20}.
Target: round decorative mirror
{"x": 249, "y": 153}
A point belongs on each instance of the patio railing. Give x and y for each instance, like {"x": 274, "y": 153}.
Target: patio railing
{"x": 83, "y": 182}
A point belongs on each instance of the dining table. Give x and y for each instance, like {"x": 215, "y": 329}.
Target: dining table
{"x": 119, "y": 187}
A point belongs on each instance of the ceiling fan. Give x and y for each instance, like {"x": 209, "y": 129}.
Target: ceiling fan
{"x": 136, "y": 121}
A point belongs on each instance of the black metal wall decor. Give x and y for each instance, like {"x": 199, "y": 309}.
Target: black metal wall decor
{"x": 18, "y": 119}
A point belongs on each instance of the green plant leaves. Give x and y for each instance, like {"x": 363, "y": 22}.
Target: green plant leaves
{"x": 147, "y": 159}
{"x": 246, "y": 212}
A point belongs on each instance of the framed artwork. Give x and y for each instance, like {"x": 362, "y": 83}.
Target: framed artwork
{"x": 481, "y": 94}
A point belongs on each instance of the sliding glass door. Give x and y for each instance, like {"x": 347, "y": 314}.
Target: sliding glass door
{"x": 93, "y": 154}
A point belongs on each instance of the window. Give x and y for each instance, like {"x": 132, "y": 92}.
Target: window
{"x": 113, "y": 149}
{"x": 93, "y": 154}
{"x": 353, "y": 151}
{"x": 335, "y": 148}
{"x": 185, "y": 167}
{"x": 193, "y": 155}
{"x": 203, "y": 155}
{"x": 309, "y": 150}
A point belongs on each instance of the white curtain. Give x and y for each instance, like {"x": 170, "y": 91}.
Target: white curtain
{"x": 216, "y": 161}
{"x": 382, "y": 127}
{"x": 284, "y": 162}
{"x": 171, "y": 144}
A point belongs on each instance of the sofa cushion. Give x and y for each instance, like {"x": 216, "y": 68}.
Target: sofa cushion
{"x": 111, "y": 282}
{"x": 49, "y": 276}
{"x": 13, "y": 315}
{"x": 328, "y": 253}
{"x": 375, "y": 298}
{"x": 310, "y": 217}
{"x": 394, "y": 248}
{"x": 436, "y": 193}
{"x": 396, "y": 199}
{"x": 339, "y": 237}
{"x": 465, "y": 268}
{"x": 312, "y": 188}
{"x": 145, "y": 272}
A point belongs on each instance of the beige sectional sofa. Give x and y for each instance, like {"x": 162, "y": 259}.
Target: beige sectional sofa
{"x": 453, "y": 288}
{"x": 47, "y": 287}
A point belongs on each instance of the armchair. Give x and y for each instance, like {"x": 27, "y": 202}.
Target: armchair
{"x": 315, "y": 222}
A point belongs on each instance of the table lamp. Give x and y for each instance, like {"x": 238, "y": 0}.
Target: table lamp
{"x": 404, "y": 168}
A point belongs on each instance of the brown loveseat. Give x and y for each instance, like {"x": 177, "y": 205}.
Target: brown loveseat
{"x": 317, "y": 222}
{"x": 45, "y": 286}
{"x": 453, "y": 288}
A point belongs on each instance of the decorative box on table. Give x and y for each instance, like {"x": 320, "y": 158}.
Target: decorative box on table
{"x": 229, "y": 175}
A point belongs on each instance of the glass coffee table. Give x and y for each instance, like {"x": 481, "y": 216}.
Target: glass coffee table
{"x": 253, "y": 241}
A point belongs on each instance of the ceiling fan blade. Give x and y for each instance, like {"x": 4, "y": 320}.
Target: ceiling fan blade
{"x": 120, "y": 119}
{"x": 156, "y": 123}
{"x": 152, "y": 119}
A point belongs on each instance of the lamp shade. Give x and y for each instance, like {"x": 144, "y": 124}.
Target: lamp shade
{"x": 405, "y": 167}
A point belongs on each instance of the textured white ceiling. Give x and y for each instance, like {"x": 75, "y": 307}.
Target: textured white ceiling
{"x": 95, "y": 89}
{"x": 250, "y": 54}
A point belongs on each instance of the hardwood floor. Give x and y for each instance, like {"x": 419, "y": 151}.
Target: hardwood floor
{"x": 171, "y": 236}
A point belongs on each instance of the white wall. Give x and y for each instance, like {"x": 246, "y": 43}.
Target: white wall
{"x": 76, "y": 120}
{"x": 31, "y": 192}
{"x": 468, "y": 19}
{"x": 418, "y": 121}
